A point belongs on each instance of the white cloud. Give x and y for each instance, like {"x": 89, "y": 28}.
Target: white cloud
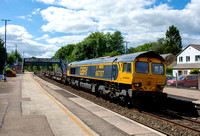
{"x": 44, "y": 37}
{"x": 28, "y": 17}
{"x": 67, "y": 21}
{"x": 64, "y": 40}
{"x": 22, "y": 17}
{"x": 36, "y": 11}
{"x": 18, "y": 35}
{"x": 140, "y": 20}
{"x": 128, "y": 16}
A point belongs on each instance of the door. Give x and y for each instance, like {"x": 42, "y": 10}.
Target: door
{"x": 191, "y": 81}
{"x": 114, "y": 70}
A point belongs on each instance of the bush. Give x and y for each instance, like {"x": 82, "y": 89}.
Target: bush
{"x": 195, "y": 71}
{"x": 169, "y": 71}
{"x": 9, "y": 71}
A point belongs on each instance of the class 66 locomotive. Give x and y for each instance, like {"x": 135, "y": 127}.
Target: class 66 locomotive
{"x": 129, "y": 78}
{"x": 125, "y": 78}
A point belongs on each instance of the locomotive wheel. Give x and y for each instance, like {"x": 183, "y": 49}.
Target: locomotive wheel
{"x": 97, "y": 93}
{"x": 122, "y": 101}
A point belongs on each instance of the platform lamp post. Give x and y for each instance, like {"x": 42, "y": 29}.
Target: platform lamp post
{"x": 5, "y": 47}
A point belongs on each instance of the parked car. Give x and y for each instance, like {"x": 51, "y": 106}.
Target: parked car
{"x": 184, "y": 81}
{"x": 169, "y": 77}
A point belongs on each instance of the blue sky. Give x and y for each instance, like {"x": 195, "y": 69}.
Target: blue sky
{"x": 40, "y": 27}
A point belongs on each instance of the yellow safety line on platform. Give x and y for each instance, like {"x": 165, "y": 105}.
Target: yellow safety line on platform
{"x": 68, "y": 114}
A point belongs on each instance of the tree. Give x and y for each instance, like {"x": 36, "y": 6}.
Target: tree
{"x": 11, "y": 57}
{"x": 114, "y": 53}
{"x": 114, "y": 42}
{"x": 159, "y": 46}
{"x": 2, "y": 56}
{"x": 97, "y": 43}
{"x": 144, "y": 47}
{"x": 65, "y": 52}
{"x": 195, "y": 71}
{"x": 173, "y": 41}
{"x": 170, "y": 44}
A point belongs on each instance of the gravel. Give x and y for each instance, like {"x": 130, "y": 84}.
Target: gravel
{"x": 133, "y": 114}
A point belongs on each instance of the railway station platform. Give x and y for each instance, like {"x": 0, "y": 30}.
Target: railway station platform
{"x": 185, "y": 97}
{"x": 30, "y": 106}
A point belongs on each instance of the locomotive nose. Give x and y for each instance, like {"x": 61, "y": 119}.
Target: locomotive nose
{"x": 148, "y": 83}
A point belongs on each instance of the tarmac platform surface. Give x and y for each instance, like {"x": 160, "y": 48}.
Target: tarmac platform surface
{"x": 30, "y": 106}
{"x": 184, "y": 94}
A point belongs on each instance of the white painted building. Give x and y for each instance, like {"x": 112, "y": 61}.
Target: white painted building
{"x": 187, "y": 59}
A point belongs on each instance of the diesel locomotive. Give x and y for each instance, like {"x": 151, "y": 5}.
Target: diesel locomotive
{"x": 125, "y": 78}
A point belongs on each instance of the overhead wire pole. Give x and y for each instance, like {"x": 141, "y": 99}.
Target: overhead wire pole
{"x": 126, "y": 46}
{"x": 16, "y": 53}
{"x": 5, "y": 47}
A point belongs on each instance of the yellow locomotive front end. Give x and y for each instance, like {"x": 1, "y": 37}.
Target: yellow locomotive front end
{"x": 148, "y": 74}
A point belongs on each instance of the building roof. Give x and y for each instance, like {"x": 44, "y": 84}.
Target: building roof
{"x": 165, "y": 55}
{"x": 196, "y": 46}
{"x": 187, "y": 66}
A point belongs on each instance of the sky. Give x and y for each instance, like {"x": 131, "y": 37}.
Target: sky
{"x": 40, "y": 27}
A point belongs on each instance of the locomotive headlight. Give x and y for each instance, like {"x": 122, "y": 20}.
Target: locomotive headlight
{"x": 137, "y": 84}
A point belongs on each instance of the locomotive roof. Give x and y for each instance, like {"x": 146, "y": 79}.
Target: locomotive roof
{"x": 119, "y": 58}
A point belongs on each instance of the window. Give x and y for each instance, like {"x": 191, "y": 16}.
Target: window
{"x": 142, "y": 67}
{"x": 187, "y": 58}
{"x": 189, "y": 77}
{"x": 197, "y": 58}
{"x": 157, "y": 68}
{"x": 127, "y": 67}
{"x": 72, "y": 70}
{"x": 194, "y": 77}
{"x": 185, "y": 72}
{"x": 180, "y": 59}
{"x": 181, "y": 77}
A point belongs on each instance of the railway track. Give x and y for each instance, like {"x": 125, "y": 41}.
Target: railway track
{"x": 167, "y": 122}
{"x": 175, "y": 119}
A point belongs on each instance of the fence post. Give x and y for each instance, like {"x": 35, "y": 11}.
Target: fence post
{"x": 176, "y": 80}
{"x": 199, "y": 81}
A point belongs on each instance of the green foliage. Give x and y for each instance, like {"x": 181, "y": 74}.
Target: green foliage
{"x": 11, "y": 57}
{"x": 169, "y": 71}
{"x": 170, "y": 44}
{"x": 173, "y": 41}
{"x": 144, "y": 47}
{"x": 2, "y": 54}
{"x": 115, "y": 42}
{"x": 114, "y": 53}
{"x": 96, "y": 45}
{"x": 195, "y": 71}
{"x": 65, "y": 52}
{"x": 9, "y": 71}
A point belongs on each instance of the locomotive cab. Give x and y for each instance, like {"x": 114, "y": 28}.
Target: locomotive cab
{"x": 149, "y": 74}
